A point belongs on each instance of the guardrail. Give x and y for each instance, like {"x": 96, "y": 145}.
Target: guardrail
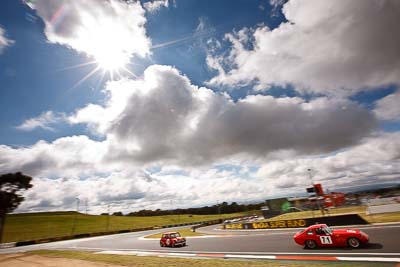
{"x": 84, "y": 235}
{"x": 206, "y": 224}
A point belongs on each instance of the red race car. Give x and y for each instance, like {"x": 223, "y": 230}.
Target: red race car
{"x": 320, "y": 235}
{"x": 172, "y": 239}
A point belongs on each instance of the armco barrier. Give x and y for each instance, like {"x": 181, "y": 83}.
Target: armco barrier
{"x": 348, "y": 219}
{"x": 7, "y": 245}
{"x": 207, "y": 223}
{"x": 62, "y": 238}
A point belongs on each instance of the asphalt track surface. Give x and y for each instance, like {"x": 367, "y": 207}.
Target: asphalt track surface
{"x": 385, "y": 242}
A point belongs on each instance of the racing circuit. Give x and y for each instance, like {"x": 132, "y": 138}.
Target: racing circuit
{"x": 252, "y": 244}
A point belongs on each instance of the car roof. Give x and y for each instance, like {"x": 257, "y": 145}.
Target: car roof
{"x": 317, "y": 226}
{"x": 168, "y": 233}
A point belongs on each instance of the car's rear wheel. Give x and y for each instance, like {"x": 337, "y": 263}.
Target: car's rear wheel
{"x": 353, "y": 242}
{"x": 161, "y": 244}
{"x": 310, "y": 244}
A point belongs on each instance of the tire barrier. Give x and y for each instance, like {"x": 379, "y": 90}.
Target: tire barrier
{"x": 347, "y": 219}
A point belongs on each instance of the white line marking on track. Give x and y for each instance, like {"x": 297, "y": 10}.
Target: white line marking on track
{"x": 368, "y": 259}
{"x": 182, "y": 254}
{"x": 267, "y": 257}
{"x": 246, "y": 252}
{"x": 244, "y": 256}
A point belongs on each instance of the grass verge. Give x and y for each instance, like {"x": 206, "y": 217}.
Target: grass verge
{"x": 180, "y": 262}
{"x": 20, "y": 227}
{"x": 30, "y": 226}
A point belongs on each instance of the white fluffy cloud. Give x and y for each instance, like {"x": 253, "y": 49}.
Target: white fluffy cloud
{"x": 325, "y": 47}
{"x": 4, "y": 41}
{"x": 163, "y": 117}
{"x": 118, "y": 188}
{"x": 43, "y": 121}
{"x": 106, "y": 30}
{"x": 134, "y": 190}
{"x": 67, "y": 155}
{"x": 163, "y": 120}
{"x": 127, "y": 188}
{"x": 375, "y": 160}
{"x": 155, "y": 5}
{"x": 388, "y": 108}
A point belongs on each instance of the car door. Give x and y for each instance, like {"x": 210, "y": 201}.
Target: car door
{"x": 167, "y": 240}
{"x": 163, "y": 238}
{"x": 324, "y": 239}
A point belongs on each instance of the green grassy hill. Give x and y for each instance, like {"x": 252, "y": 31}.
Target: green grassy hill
{"x": 29, "y": 226}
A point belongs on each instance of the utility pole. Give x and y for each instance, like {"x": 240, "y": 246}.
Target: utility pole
{"x": 108, "y": 217}
{"x": 86, "y": 204}
{"x": 76, "y": 214}
{"x": 316, "y": 194}
{"x": 219, "y": 209}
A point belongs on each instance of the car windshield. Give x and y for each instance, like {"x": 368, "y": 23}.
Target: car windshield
{"x": 175, "y": 235}
{"x": 327, "y": 230}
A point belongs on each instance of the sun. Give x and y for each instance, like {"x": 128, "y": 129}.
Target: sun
{"x": 109, "y": 56}
{"x": 107, "y": 59}
{"x": 107, "y": 43}
{"x": 111, "y": 62}
{"x": 108, "y": 47}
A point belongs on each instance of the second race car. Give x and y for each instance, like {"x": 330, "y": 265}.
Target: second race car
{"x": 172, "y": 239}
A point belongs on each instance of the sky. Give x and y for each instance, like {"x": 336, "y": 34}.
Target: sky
{"x": 185, "y": 103}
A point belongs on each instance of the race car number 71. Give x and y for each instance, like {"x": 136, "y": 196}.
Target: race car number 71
{"x": 325, "y": 239}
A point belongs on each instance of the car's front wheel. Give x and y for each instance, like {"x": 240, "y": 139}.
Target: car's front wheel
{"x": 353, "y": 242}
{"x": 161, "y": 244}
{"x": 310, "y": 244}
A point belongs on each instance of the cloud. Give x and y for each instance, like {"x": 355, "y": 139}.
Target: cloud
{"x": 155, "y": 5}
{"x": 102, "y": 29}
{"x": 67, "y": 155}
{"x": 165, "y": 139}
{"x": 164, "y": 118}
{"x": 131, "y": 190}
{"x": 42, "y": 121}
{"x": 375, "y": 160}
{"x": 332, "y": 47}
{"x": 276, "y": 3}
{"x": 388, "y": 108}
{"x": 127, "y": 188}
{"x": 98, "y": 191}
{"x": 4, "y": 41}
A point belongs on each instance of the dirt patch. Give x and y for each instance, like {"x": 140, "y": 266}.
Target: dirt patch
{"x": 24, "y": 260}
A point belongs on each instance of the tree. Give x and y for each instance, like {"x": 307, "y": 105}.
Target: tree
{"x": 11, "y": 185}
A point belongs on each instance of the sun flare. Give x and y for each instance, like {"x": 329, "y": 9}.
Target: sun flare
{"x": 111, "y": 61}
{"x": 108, "y": 50}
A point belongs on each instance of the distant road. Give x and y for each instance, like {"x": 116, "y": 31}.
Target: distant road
{"x": 384, "y": 239}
